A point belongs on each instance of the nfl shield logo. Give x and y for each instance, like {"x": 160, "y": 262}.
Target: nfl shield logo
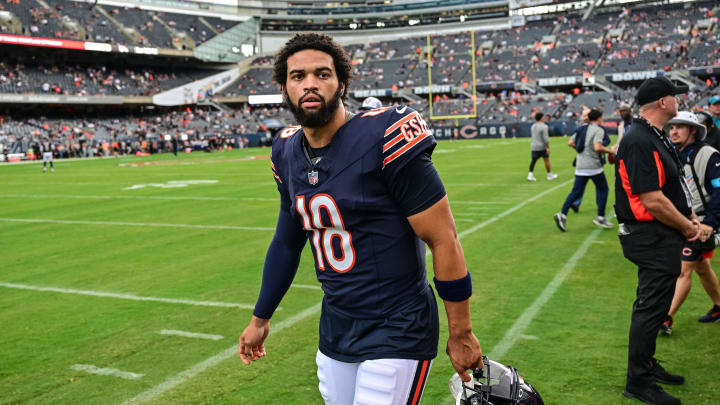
{"x": 313, "y": 178}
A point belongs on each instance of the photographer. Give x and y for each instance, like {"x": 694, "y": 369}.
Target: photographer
{"x": 702, "y": 165}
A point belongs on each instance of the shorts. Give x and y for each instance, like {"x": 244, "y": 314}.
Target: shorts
{"x": 379, "y": 382}
{"x": 691, "y": 253}
{"x": 537, "y": 154}
{"x": 47, "y": 156}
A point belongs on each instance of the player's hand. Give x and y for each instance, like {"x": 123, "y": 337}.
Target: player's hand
{"x": 465, "y": 353}
{"x": 705, "y": 232}
{"x": 251, "y": 345}
{"x": 692, "y": 233}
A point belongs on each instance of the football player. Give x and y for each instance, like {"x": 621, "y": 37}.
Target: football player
{"x": 363, "y": 190}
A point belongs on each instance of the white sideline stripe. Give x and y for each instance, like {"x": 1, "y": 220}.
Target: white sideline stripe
{"x": 146, "y": 224}
{"x": 183, "y": 376}
{"x": 471, "y": 214}
{"x": 309, "y": 287}
{"x": 89, "y": 368}
{"x": 131, "y": 297}
{"x": 464, "y": 220}
{"x": 138, "y": 197}
{"x": 529, "y": 337}
{"x": 516, "y": 331}
{"x": 194, "y": 335}
{"x": 198, "y": 368}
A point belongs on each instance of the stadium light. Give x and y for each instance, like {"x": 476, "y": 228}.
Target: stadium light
{"x": 413, "y": 22}
{"x": 380, "y": 24}
{"x": 353, "y": 26}
{"x": 462, "y": 18}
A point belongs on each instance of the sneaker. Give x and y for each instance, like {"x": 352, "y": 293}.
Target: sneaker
{"x": 552, "y": 176}
{"x": 602, "y": 222}
{"x": 653, "y": 395}
{"x": 44, "y": 170}
{"x": 560, "y": 219}
{"x": 531, "y": 177}
{"x": 667, "y": 326}
{"x": 712, "y": 316}
{"x": 52, "y": 170}
{"x": 663, "y": 377}
{"x": 575, "y": 208}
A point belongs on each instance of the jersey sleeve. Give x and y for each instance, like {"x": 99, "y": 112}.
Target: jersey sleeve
{"x": 406, "y": 135}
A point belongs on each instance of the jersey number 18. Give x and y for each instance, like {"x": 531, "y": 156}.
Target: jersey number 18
{"x": 323, "y": 234}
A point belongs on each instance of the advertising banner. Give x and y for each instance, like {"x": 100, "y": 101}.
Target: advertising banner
{"x": 198, "y": 90}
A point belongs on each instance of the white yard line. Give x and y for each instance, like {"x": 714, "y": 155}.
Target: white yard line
{"x": 183, "y": 376}
{"x": 141, "y": 224}
{"x": 89, "y": 368}
{"x": 130, "y": 197}
{"x": 512, "y": 209}
{"x": 192, "y": 335}
{"x": 516, "y": 331}
{"x": 198, "y": 368}
{"x": 131, "y": 297}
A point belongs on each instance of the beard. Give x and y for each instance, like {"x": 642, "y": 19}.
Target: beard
{"x": 314, "y": 119}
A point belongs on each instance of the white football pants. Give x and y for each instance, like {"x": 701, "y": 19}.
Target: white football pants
{"x": 372, "y": 382}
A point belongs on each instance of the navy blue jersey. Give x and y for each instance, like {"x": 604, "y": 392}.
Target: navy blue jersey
{"x": 367, "y": 257}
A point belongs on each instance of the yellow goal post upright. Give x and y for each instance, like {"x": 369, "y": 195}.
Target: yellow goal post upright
{"x": 474, "y": 86}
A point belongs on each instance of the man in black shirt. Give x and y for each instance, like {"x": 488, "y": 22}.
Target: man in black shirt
{"x": 656, "y": 218}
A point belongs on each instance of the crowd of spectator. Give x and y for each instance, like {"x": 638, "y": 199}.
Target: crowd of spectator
{"x": 70, "y": 20}
{"x": 198, "y": 129}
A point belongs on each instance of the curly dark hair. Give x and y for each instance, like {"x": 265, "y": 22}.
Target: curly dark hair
{"x": 320, "y": 42}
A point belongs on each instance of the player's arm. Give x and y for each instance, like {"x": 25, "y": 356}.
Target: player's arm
{"x": 281, "y": 263}
{"x": 436, "y": 227}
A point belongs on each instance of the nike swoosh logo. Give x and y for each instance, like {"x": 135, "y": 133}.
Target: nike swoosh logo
{"x": 717, "y": 164}
{"x": 401, "y": 110}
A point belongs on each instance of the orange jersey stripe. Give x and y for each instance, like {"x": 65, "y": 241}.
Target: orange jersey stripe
{"x": 401, "y": 121}
{"x": 404, "y": 149}
{"x": 276, "y": 176}
{"x": 392, "y": 142}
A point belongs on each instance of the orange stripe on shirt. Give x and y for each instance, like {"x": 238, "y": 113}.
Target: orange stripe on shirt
{"x": 638, "y": 209}
{"x": 404, "y": 149}
{"x": 401, "y": 121}
{"x": 660, "y": 169}
{"x": 276, "y": 176}
{"x": 392, "y": 142}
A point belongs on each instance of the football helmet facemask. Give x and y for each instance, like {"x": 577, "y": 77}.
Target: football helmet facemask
{"x": 494, "y": 384}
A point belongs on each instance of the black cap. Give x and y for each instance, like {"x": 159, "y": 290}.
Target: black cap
{"x": 656, "y": 88}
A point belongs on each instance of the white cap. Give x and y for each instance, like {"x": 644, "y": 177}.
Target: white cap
{"x": 690, "y": 119}
{"x": 371, "y": 103}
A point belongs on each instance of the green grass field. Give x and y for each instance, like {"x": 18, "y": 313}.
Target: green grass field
{"x": 91, "y": 272}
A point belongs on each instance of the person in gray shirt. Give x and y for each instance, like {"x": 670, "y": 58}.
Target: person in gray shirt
{"x": 589, "y": 166}
{"x": 540, "y": 147}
